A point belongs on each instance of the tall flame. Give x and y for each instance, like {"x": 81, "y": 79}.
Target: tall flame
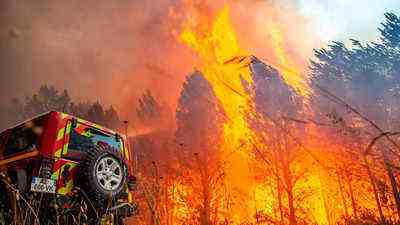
{"x": 290, "y": 71}
{"x": 221, "y": 65}
{"x": 217, "y": 49}
{"x": 225, "y": 66}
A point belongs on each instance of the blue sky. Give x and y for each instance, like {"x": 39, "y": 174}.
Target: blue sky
{"x": 344, "y": 19}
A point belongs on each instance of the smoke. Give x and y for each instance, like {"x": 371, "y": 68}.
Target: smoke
{"x": 99, "y": 50}
{"x": 337, "y": 20}
{"x": 112, "y": 51}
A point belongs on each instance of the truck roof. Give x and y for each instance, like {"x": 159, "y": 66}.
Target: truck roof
{"x": 60, "y": 113}
{"x": 25, "y": 121}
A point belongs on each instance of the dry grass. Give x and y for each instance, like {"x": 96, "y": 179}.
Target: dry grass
{"x": 47, "y": 209}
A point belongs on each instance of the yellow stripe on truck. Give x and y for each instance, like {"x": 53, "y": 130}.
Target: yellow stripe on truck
{"x": 55, "y": 174}
{"x": 64, "y": 115}
{"x": 58, "y": 153}
{"x": 63, "y": 151}
{"x": 60, "y": 134}
{"x": 67, "y": 188}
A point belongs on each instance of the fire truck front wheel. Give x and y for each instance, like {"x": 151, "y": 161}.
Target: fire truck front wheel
{"x": 103, "y": 174}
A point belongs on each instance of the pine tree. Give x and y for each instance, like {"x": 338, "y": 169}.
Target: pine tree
{"x": 367, "y": 77}
{"x": 149, "y": 110}
{"x": 390, "y": 31}
{"x": 277, "y": 106}
{"x": 48, "y": 98}
{"x": 199, "y": 132}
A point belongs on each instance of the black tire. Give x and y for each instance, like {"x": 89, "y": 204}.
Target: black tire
{"x": 89, "y": 181}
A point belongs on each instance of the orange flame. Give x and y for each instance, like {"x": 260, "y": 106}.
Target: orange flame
{"x": 218, "y": 50}
{"x": 291, "y": 72}
{"x": 225, "y": 65}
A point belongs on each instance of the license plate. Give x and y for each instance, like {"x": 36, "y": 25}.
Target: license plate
{"x": 43, "y": 185}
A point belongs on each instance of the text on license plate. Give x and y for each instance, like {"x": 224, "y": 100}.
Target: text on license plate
{"x": 43, "y": 185}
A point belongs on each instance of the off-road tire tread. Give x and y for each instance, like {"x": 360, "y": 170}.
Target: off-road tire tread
{"x": 87, "y": 182}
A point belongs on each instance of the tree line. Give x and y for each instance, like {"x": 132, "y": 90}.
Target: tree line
{"x": 48, "y": 98}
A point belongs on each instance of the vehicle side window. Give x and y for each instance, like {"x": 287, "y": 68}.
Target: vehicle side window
{"x": 21, "y": 139}
{"x": 83, "y": 140}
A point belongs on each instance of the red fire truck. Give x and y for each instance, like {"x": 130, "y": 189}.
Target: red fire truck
{"x": 62, "y": 156}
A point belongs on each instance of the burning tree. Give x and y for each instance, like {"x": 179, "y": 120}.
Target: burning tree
{"x": 199, "y": 134}
{"x": 275, "y": 121}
